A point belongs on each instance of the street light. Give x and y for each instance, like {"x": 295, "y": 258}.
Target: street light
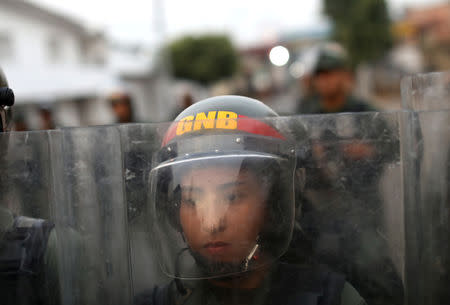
{"x": 279, "y": 56}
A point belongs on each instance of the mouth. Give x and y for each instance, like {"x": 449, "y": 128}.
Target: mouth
{"x": 217, "y": 247}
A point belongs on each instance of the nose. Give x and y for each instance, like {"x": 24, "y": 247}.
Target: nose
{"x": 213, "y": 215}
{"x": 214, "y": 225}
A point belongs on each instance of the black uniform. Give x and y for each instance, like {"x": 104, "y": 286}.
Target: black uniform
{"x": 23, "y": 275}
{"x": 286, "y": 284}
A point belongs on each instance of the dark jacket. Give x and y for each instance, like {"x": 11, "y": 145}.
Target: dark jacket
{"x": 23, "y": 261}
{"x": 287, "y": 284}
{"x": 311, "y": 105}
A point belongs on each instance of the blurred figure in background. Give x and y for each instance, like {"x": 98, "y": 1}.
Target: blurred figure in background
{"x": 186, "y": 101}
{"x": 330, "y": 84}
{"x": 19, "y": 122}
{"x": 46, "y": 115}
{"x": 347, "y": 159}
{"x": 121, "y": 103}
{"x": 306, "y": 64}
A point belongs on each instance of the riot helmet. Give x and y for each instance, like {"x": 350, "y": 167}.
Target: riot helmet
{"x": 330, "y": 56}
{"x": 222, "y": 190}
{"x": 6, "y": 101}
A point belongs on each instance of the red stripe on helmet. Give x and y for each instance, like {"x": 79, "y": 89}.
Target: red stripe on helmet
{"x": 170, "y": 134}
{"x": 254, "y": 126}
{"x": 244, "y": 123}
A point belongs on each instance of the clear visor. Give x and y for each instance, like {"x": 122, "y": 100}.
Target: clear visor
{"x": 222, "y": 215}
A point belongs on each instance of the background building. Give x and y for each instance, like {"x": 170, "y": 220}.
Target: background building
{"x": 63, "y": 71}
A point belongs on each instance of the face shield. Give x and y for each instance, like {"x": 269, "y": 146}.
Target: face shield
{"x": 223, "y": 204}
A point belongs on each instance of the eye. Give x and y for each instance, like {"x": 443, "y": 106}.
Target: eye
{"x": 231, "y": 197}
{"x": 234, "y": 197}
{"x": 188, "y": 200}
{"x": 187, "y": 197}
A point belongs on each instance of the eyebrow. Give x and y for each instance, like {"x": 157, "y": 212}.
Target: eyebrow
{"x": 189, "y": 188}
{"x": 231, "y": 184}
{"x": 224, "y": 186}
{"x": 220, "y": 186}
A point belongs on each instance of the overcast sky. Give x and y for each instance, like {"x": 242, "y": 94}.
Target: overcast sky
{"x": 246, "y": 20}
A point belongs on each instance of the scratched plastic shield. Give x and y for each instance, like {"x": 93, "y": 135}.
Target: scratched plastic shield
{"x": 426, "y": 154}
{"x": 370, "y": 192}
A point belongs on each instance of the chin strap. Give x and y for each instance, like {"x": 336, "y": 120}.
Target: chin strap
{"x": 179, "y": 284}
{"x": 250, "y": 256}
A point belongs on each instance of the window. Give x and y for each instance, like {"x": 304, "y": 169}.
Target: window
{"x": 55, "y": 49}
{"x": 6, "y": 46}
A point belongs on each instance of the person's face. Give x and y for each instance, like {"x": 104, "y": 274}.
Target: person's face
{"x": 222, "y": 212}
{"x": 329, "y": 84}
{"x": 122, "y": 111}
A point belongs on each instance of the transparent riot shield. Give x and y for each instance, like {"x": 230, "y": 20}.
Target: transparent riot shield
{"x": 92, "y": 217}
{"x": 351, "y": 215}
{"x": 26, "y": 173}
{"x": 338, "y": 175}
{"x": 67, "y": 235}
{"x": 26, "y": 207}
{"x": 426, "y": 155}
{"x": 311, "y": 206}
{"x": 139, "y": 144}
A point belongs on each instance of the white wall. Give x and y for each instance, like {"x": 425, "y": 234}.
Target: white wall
{"x": 37, "y": 77}
{"x": 78, "y": 73}
{"x": 30, "y": 38}
{"x": 35, "y": 74}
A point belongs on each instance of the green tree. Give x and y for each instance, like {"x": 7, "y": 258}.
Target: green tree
{"x": 361, "y": 26}
{"x": 205, "y": 58}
